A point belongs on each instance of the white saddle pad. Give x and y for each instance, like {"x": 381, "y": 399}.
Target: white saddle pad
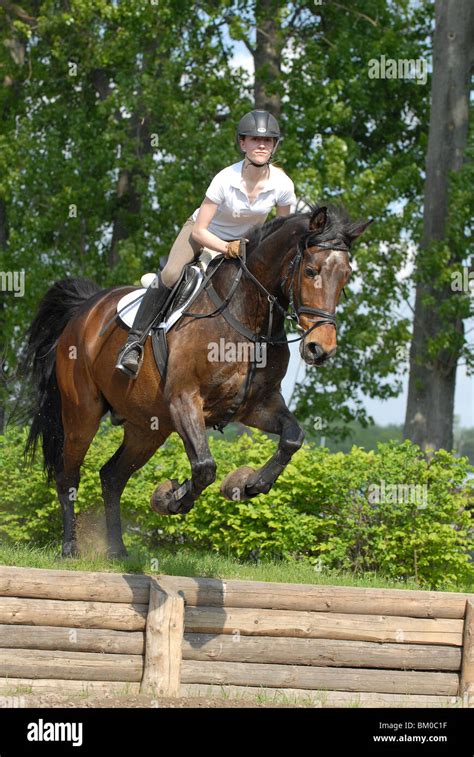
{"x": 128, "y": 305}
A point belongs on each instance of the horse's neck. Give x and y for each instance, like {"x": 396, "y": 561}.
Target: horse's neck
{"x": 266, "y": 262}
{"x": 249, "y": 303}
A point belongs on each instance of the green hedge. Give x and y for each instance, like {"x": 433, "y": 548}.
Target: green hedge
{"x": 323, "y": 508}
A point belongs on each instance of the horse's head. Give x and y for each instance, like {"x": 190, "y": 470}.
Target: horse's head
{"x": 317, "y": 271}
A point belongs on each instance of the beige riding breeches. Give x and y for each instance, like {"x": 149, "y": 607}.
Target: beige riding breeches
{"x": 184, "y": 250}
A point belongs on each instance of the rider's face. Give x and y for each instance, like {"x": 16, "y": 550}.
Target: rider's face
{"x": 257, "y": 148}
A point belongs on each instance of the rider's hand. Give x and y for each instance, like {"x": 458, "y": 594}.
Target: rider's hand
{"x": 233, "y": 249}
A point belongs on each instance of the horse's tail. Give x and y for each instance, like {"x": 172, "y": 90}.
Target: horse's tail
{"x": 55, "y": 310}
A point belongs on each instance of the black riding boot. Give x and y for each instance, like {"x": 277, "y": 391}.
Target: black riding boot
{"x": 130, "y": 357}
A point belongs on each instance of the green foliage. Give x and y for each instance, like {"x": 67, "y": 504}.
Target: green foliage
{"x": 369, "y": 436}
{"x": 322, "y": 508}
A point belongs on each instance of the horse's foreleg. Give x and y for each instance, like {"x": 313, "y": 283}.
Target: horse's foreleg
{"x": 171, "y": 498}
{"x": 274, "y": 417}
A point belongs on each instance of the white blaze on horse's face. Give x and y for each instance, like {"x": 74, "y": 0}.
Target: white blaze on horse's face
{"x": 323, "y": 276}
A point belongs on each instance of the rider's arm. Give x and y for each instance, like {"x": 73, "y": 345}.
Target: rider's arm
{"x": 200, "y": 231}
{"x": 286, "y": 197}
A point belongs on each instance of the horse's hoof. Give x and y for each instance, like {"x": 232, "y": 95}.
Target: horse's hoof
{"x": 69, "y": 549}
{"x": 233, "y": 486}
{"x": 117, "y": 553}
{"x": 162, "y": 497}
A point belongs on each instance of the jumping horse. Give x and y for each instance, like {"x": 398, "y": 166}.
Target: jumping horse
{"x": 296, "y": 267}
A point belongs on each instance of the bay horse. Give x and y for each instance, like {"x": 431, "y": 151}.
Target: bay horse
{"x": 298, "y": 262}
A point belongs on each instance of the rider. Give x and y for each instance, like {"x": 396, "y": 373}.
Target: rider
{"x": 238, "y": 198}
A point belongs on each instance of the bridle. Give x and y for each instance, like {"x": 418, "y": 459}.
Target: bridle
{"x": 294, "y": 269}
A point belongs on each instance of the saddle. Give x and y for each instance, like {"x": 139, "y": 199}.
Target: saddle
{"x": 182, "y": 296}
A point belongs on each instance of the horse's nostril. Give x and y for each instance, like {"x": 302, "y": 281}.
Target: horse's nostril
{"x": 315, "y": 349}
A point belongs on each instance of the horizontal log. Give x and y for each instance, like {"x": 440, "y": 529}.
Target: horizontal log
{"x": 316, "y": 698}
{"x": 78, "y": 666}
{"x": 114, "y": 616}
{"x": 339, "y": 599}
{"x": 19, "y": 686}
{"x": 38, "y": 583}
{"x": 319, "y": 652}
{"x": 51, "y": 612}
{"x": 333, "y": 679}
{"x": 323, "y": 625}
{"x": 72, "y": 639}
{"x": 131, "y": 588}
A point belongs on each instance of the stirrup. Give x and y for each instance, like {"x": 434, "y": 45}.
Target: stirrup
{"x": 129, "y": 346}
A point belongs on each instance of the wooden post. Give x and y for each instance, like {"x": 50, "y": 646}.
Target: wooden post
{"x": 466, "y": 684}
{"x": 163, "y": 643}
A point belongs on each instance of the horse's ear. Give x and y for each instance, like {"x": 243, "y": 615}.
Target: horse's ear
{"x": 317, "y": 222}
{"x": 358, "y": 228}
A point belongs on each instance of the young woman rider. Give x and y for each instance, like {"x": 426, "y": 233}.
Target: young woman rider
{"x": 238, "y": 198}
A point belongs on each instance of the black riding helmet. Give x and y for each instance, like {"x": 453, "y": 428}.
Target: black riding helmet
{"x": 258, "y": 123}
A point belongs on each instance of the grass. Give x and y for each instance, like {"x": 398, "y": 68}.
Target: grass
{"x": 187, "y": 562}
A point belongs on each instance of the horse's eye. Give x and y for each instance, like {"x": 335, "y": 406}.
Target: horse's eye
{"x": 310, "y": 272}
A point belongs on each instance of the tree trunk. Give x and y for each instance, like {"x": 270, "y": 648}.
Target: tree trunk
{"x": 267, "y": 56}
{"x": 430, "y": 406}
{"x": 126, "y": 215}
{"x": 3, "y": 346}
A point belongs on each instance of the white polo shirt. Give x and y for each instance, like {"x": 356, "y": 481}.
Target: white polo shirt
{"x": 235, "y": 216}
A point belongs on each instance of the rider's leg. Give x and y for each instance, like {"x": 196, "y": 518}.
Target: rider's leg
{"x": 129, "y": 359}
{"x": 183, "y": 251}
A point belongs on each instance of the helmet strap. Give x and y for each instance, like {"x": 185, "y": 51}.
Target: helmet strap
{"x": 267, "y": 163}
{"x": 258, "y": 165}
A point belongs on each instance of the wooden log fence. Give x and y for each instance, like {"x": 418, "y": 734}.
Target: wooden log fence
{"x": 326, "y": 646}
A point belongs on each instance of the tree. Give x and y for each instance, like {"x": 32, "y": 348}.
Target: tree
{"x": 440, "y": 310}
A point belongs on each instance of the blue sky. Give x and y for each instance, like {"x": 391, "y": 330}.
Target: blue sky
{"x": 393, "y": 410}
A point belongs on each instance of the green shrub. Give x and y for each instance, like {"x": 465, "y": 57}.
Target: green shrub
{"x": 324, "y": 508}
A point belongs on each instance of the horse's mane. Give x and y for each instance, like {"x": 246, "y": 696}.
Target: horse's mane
{"x": 338, "y": 226}
{"x": 257, "y": 234}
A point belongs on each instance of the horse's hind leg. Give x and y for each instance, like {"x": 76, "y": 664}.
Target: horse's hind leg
{"x": 80, "y": 424}
{"x": 136, "y": 449}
